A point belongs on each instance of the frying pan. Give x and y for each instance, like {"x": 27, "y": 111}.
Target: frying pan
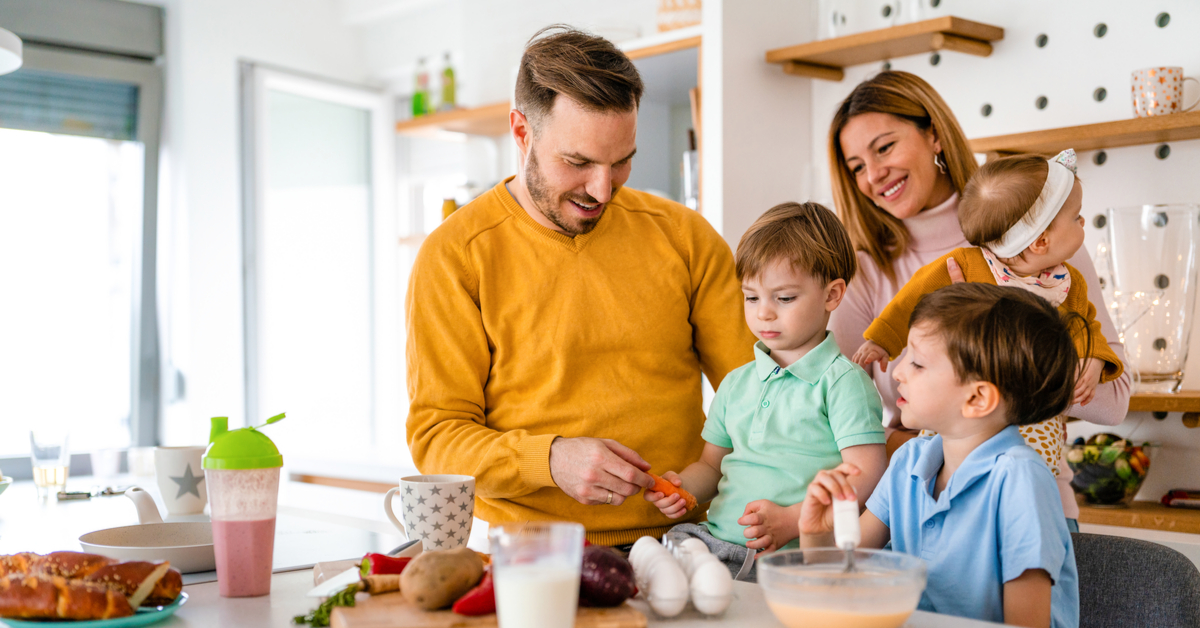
{"x": 187, "y": 545}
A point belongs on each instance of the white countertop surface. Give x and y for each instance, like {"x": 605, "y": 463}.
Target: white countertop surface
{"x": 316, "y": 523}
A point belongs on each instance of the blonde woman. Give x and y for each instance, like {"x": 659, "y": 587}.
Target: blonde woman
{"x": 898, "y": 160}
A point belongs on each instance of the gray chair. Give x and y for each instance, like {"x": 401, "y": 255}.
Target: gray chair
{"x": 1128, "y": 583}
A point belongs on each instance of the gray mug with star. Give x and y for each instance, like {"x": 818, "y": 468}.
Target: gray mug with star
{"x": 181, "y": 479}
{"x": 437, "y": 509}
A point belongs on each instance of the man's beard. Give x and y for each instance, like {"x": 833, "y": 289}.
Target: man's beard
{"x": 545, "y": 202}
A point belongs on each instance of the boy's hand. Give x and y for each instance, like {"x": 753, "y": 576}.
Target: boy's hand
{"x": 816, "y": 513}
{"x": 672, "y": 506}
{"x": 870, "y": 352}
{"x": 1090, "y": 370}
{"x": 769, "y": 525}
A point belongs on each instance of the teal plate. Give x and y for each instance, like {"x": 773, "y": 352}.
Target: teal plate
{"x": 144, "y": 616}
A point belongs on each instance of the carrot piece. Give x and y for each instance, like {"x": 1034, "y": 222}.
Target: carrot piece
{"x": 666, "y": 488}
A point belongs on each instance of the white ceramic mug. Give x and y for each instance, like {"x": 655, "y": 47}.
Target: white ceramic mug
{"x": 1158, "y": 91}
{"x": 181, "y": 479}
{"x": 437, "y": 509}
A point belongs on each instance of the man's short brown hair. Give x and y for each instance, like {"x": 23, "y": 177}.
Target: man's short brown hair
{"x": 807, "y": 235}
{"x": 588, "y": 69}
{"x": 1011, "y": 338}
{"x": 999, "y": 195}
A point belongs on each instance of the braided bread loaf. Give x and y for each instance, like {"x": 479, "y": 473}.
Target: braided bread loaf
{"x": 42, "y": 596}
{"x": 144, "y": 583}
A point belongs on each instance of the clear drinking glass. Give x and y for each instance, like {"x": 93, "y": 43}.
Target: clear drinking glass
{"x": 536, "y": 571}
{"x": 1150, "y": 257}
{"x": 51, "y": 458}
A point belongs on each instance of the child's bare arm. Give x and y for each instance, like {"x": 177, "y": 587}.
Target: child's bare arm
{"x": 870, "y": 352}
{"x": 699, "y": 478}
{"x": 871, "y": 461}
{"x": 1027, "y": 599}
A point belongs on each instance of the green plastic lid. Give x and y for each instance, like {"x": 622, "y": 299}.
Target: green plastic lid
{"x": 245, "y": 448}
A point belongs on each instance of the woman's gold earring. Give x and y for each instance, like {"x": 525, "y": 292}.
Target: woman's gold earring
{"x": 938, "y": 162}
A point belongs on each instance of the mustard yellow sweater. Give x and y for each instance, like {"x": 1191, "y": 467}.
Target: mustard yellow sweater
{"x": 518, "y": 334}
{"x": 890, "y": 329}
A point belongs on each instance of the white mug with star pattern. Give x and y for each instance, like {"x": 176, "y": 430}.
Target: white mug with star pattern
{"x": 1159, "y": 91}
{"x": 181, "y": 479}
{"x": 437, "y": 509}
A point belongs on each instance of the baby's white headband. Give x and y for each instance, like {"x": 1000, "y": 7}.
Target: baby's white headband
{"x": 1059, "y": 181}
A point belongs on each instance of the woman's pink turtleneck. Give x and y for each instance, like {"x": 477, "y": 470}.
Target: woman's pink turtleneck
{"x": 933, "y": 233}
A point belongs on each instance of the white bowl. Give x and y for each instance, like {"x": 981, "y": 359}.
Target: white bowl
{"x": 187, "y": 545}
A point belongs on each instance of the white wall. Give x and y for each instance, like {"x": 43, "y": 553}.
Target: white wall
{"x": 202, "y": 271}
{"x": 1066, "y": 71}
{"x": 756, "y": 144}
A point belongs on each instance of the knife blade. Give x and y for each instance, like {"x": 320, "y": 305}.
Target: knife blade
{"x": 352, "y": 575}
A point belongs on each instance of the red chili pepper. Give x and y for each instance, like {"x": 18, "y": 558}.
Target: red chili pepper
{"x": 382, "y": 564}
{"x": 478, "y": 601}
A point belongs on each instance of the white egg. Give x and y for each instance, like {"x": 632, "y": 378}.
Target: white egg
{"x": 702, "y": 559}
{"x": 695, "y": 546}
{"x": 668, "y": 587}
{"x": 641, "y": 552}
{"x": 712, "y": 587}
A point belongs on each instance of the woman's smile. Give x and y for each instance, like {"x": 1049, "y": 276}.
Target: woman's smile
{"x": 894, "y": 189}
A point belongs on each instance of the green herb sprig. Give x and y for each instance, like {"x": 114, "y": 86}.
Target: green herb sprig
{"x": 320, "y": 615}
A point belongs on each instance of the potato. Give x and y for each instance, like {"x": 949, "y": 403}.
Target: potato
{"x": 434, "y": 580}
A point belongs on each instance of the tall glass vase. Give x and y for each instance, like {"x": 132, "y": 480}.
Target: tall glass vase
{"x": 1151, "y": 259}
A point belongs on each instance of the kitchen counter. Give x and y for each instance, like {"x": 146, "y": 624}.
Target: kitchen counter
{"x": 207, "y": 608}
{"x": 316, "y": 523}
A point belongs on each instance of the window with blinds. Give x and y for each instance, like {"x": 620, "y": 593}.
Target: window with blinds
{"x": 31, "y": 100}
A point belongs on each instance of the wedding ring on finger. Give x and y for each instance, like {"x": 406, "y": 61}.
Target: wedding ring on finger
{"x": 609, "y": 500}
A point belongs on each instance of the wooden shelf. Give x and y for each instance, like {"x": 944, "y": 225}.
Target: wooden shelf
{"x": 1145, "y": 515}
{"x": 1155, "y": 129}
{"x": 1182, "y": 401}
{"x": 487, "y": 120}
{"x": 825, "y": 58}
{"x": 662, "y": 43}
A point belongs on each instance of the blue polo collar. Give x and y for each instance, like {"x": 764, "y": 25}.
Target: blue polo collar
{"x": 809, "y": 368}
{"x": 978, "y": 464}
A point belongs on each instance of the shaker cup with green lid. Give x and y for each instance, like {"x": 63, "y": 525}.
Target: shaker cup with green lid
{"x": 241, "y": 468}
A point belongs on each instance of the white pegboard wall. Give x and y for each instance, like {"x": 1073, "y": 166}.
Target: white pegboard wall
{"x": 1067, "y": 71}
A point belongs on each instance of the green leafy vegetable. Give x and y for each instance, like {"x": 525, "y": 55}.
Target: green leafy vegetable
{"x": 320, "y": 615}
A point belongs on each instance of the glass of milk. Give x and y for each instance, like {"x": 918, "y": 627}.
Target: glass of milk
{"x": 535, "y": 567}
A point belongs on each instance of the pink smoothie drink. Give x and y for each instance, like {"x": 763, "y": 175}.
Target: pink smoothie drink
{"x": 244, "y": 550}
{"x": 241, "y": 468}
{"x": 243, "y": 522}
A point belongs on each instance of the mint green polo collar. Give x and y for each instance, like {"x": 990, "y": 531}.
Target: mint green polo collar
{"x": 809, "y": 368}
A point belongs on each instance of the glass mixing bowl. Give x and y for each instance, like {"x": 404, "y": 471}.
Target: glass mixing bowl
{"x": 810, "y": 589}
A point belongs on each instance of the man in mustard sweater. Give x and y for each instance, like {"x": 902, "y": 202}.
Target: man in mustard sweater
{"x": 559, "y": 324}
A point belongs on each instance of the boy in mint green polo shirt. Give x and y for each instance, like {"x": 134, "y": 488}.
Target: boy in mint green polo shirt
{"x": 798, "y": 408}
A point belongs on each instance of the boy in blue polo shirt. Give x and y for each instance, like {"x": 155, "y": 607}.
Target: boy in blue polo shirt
{"x": 799, "y": 407}
{"x": 975, "y": 502}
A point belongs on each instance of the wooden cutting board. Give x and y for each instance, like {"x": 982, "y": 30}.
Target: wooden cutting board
{"x": 391, "y": 610}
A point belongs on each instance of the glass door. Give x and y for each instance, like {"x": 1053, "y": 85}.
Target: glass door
{"x": 320, "y": 293}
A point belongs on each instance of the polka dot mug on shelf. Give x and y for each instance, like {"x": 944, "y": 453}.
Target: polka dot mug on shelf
{"x": 437, "y": 509}
{"x": 1158, "y": 91}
